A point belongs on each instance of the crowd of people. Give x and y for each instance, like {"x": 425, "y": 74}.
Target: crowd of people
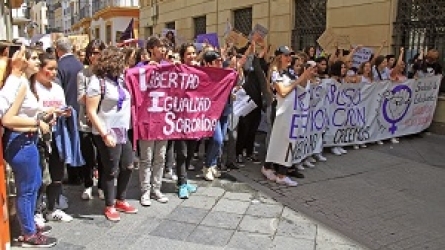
{"x": 64, "y": 110}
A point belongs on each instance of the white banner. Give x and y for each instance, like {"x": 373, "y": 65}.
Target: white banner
{"x": 349, "y": 114}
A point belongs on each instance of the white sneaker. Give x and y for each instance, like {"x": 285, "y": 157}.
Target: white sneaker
{"x": 342, "y": 150}
{"x": 170, "y": 175}
{"x": 216, "y": 173}
{"x": 63, "y": 203}
{"x": 395, "y": 140}
{"x": 269, "y": 174}
{"x": 356, "y": 147}
{"x": 145, "y": 199}
{"x": 286, "y": 181}
{"x": 311, "y": 159}
{"x": 207, "y": 174}
{"x": 379, "y": 142}
{"x": 363, "y": 146}
{"x": 87, "y": 194}
{"x": 58, "y": 215}
{"x": 300, "y": 167}
{"x": 320, "y": 157}
{"x": 336, "y": 151}
{"x": 158, "y": 196}
{"x": 308, "y": 164}
{"x": 101, "y": 194}
{"x": 39, "y": 220}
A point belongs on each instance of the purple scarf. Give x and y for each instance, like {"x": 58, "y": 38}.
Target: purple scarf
{"x": 120, "y": 89}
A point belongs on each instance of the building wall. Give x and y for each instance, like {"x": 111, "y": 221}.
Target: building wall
{"x": 58, "y": 19}
{"x": 368, "y": 22}
{"x": 358, "y": 18}
{"x": 274, "y": 14}
{"x": 117, "y": 24}
{"x": 39, "y": 16}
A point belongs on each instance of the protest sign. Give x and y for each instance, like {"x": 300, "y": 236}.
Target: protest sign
{"x": 210, "y": 38}
{"x": 258, "y": 34}
{"x": 349, "y": 114}
{"x": 343, "y": 42}
{"x": 360, "y": 56}
{"x": 237, "y": 39}
{"x": 243, "y": 103}
{"x": 178, "y": 101}
{"x": 328, "y": 41}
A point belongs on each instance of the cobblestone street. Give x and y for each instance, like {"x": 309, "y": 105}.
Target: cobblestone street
{"x": 224, "y": 215}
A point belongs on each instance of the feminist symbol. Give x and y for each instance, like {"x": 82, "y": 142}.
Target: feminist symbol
{"x": 395, "y": 105}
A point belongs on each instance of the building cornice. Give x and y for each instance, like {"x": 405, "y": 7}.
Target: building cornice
{"x": 114, "y": 11}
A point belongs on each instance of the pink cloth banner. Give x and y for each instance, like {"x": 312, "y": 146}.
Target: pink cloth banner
{"x": 178, "y": 101}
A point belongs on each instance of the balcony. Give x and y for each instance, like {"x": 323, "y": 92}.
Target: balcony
{"x": 100, "y": 5}
{"x": 85, "y": 12}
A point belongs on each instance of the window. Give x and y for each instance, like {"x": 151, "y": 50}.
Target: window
{"x": 170, "y": 25}
{"x": 243, "y": 20}
{"x": 310, "y": 23}
{"x": 148, "y": 31}
{"x": 97, "y": 33}
{"x": 200, "y": 25}
{"x": 108, "y": 33}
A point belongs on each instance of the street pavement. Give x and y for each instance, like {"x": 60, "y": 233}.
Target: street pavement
{"x": 223, "y": 214}
{"x": 384, "y": 197}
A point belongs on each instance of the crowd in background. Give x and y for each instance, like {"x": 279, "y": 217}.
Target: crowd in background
{"x": 64, "y": 109}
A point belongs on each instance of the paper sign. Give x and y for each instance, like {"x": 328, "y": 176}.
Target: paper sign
{"x": 210, "y": 38}
{"x": 360, "y": 56}
{"x": 243, "y": 104}
{"x": 328, "y": 40}
{"x": 237, "y": 38}
{"x": 258, "y": 33}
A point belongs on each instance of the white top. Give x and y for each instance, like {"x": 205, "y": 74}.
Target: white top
{"x": 110, "y": 116}
{"x": 365, "y": 79}
{"x": 53, "y": 97}
{"x": 385, "y": 74}
{"x": 30, "y": 106}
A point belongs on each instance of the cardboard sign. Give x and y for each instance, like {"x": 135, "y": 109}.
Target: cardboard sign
{"x": 343, "y": 42}
{"x": 328, "y": 41}
{"x": 79, "y": 41}
{"x": 237, "y": 39}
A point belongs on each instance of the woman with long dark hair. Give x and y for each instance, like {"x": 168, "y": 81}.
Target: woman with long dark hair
{"x": 20, "y": 148}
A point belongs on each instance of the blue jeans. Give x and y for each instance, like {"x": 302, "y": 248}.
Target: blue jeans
{"x": 216, "y": 142}
{"x": 23, "y": 156}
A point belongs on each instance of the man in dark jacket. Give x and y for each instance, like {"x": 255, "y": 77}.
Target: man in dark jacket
{"x": 68, "y": 68}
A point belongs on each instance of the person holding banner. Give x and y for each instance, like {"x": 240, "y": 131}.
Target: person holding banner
{"x": 108, "y": 105}
{"x": 338, "y": 74}
{"x": 276, "y": 167}
{"x": 210, "y": 170}
{"x": 152, "y": 153}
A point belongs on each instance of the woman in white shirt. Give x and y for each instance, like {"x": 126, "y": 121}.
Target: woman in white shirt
{"x": 51, "y": 97}
{"x": 20, "y": 151}
{"x": 108, "y": 107}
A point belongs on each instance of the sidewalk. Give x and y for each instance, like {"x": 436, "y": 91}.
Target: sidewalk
{"x": 225, "y": 214}
{"x": 385, "y": 197}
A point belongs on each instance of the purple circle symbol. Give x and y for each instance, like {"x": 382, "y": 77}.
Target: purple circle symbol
{"x": 394, "y": 100}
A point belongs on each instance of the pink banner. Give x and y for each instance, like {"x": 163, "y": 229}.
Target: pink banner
{"x": 178, "y": 101}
